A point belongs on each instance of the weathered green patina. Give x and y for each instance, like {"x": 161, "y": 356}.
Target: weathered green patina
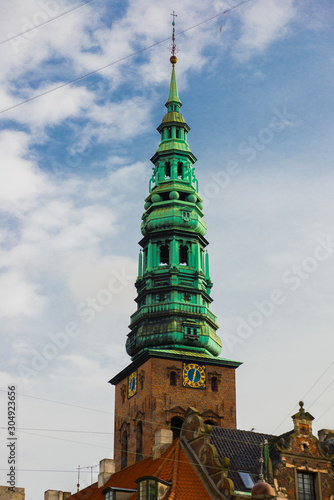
{"x": 173, "y": 283}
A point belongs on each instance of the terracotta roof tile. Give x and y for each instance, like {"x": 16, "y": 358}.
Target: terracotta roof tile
{"x": 173, "y": 466}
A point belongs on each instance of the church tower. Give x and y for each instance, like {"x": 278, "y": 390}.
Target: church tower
{"x": 172, "y": 341}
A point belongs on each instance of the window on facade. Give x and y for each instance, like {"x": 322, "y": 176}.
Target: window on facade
{"x": 124, "y": 450}
{"x": 214, "y": 384}
{"x": 123, "y": 390}
{"x": 167, "y": 170}
{"x": 176, "y": 424}
{"x": 192, "y": 330}
{"x": 306, "y": 486}
{"x": 247, "y": 479}
{"x": 179, "y": 170}
{"x": 139, "y": 441}
{"x": 172, "y": 378}
{"x": 183, "y": 255}
{"x": 164, "y": 255}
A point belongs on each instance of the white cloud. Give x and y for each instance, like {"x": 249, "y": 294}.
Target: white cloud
{"x": 19, "y": 296}
{"x": 263, "y": 22}
{"x": 20, "y": 180}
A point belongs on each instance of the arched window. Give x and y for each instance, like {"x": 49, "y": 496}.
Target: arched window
{"x": 139, "y": 441}
{"x": 176, "y": 424}
{"x": 178, "y": 134}
{"x": 172, "y": 378}
{"x": 214, "y": 384}
{"x": 183, "y": 255}
{"x": 124, "y": 450}
{"x": 179, "y": 170}
{"x": 164, "y": 255}
{"x": 167, "y": 170}
{"x": 209, "y": 422}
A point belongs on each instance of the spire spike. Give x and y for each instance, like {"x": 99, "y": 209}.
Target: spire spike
{"x": 173, "y": 102}
{"x": 174, "y": 49}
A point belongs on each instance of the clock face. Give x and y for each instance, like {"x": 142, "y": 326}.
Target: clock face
{"x": 194, "y": 376}
{"x": 132, "y": 384}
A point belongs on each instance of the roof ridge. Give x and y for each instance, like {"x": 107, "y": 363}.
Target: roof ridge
{"x": 175, "y": 469}
{"x": 167, "y": 455}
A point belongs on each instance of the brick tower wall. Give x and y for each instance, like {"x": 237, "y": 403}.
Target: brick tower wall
{"x": 157, "y": 402}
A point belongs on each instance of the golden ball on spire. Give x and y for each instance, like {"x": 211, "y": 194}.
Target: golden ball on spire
{"x": 173, "y": 60}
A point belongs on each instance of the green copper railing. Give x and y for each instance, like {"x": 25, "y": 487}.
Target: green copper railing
{"x": 173, "y": 307}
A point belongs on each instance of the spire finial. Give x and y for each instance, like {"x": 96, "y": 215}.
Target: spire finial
{"x": 173, "y": 47}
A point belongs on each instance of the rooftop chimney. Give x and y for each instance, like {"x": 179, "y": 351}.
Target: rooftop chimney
{"x": 56, "y": 495}
{"x": 107, "y": 469}
{"x": 163, "y": 438}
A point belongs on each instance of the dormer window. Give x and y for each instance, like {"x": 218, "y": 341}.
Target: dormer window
{"x": 111, "y": 493}
{"x": 151, "y": 488}
{"x": 191, "y": 331}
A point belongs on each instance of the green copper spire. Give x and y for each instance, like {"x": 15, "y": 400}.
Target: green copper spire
{"x": 173, "y": 284}
{"x": 173, "y": 103}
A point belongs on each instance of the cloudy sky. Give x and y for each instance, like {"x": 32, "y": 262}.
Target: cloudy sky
{"x": 256, "y": 87}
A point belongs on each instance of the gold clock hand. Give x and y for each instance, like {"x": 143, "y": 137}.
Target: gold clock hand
{"x": 193, "y": 380}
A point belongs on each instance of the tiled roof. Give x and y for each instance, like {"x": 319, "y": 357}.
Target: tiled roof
{"x": 173, "y": 466}
{"x": 243, "y": 450}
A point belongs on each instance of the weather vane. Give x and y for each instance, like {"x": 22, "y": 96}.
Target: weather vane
{"x": 173, "y": 48}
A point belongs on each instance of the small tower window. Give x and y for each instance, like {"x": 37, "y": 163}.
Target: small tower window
{"x": 172, "y": 378}
{"x": 124, "y": 450}
{"x": 139, "y": 441}
{"x": 183, "y": 255}
{"x": 123, "y": 392}
{"x": 167, "y": 170}
{"x": 178, "y": 133}
{"x": 164, "y": 255}
{"x": 176, "y": 424}
{"x": 179, "y": 170}
{"x": 214, "y": 384}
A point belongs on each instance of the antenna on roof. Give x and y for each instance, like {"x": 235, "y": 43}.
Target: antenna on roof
{"x": 78, "y": 484}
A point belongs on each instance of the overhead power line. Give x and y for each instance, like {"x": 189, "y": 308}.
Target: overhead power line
{"x": 65, "y": 84}
{"x": 306, "y": 393}
{"x": 46, "y": 22}
{"x": 61, "y": 402}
